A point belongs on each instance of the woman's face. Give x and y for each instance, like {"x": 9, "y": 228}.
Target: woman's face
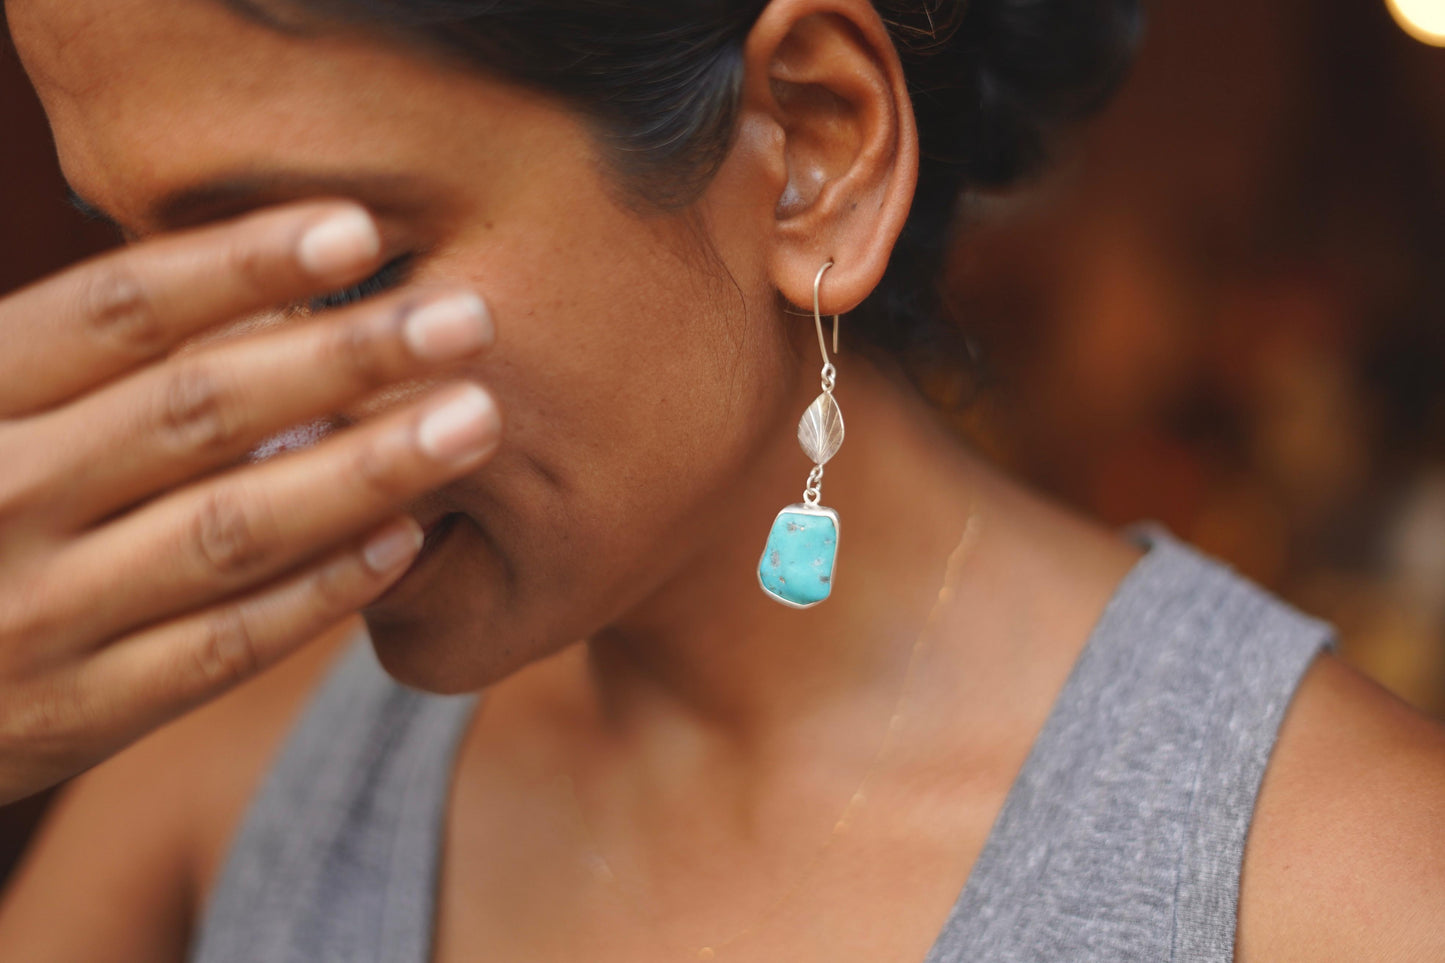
{"x": 645, "y": 376}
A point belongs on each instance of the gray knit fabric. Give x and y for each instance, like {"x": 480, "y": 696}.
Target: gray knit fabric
{"x": 1120, "y": 840}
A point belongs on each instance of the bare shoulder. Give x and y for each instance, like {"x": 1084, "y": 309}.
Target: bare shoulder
{"x": 128, "y": 851}
{"x": 1346, "y": 854}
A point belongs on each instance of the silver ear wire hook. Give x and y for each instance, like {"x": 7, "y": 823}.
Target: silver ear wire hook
{"x": 818, "y": 315}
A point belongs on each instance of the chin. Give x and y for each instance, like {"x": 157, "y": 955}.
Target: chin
{"x": 423, "y": 658}
{"x": 439, "y": 629}
{"x": 449, "y": 655}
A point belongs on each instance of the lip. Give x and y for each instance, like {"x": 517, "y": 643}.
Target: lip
{"x": 427, "y": 528}
{"x": 294, "y": 438}
{"x": 433, "y": 533}
{"x": 435, "y": 536}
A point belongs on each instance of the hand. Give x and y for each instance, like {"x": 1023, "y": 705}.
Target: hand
{"x": 144, "y": 566}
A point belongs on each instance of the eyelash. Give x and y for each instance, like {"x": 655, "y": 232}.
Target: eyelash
{"x": 392, "y": 274}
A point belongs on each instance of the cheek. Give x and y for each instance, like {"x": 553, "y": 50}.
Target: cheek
{"x": 622, "y": 347}
{"x": 638, "y": 378}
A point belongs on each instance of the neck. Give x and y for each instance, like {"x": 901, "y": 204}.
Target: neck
{"x": 710, "y": 645}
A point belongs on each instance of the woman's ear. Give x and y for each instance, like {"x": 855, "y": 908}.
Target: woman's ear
{"x": 823, "y": 79}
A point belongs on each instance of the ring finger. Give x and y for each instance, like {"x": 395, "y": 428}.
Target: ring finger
{"x": 223, "y": 535}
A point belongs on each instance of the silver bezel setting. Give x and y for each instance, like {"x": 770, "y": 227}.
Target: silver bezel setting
{"x": 802, "y": 508}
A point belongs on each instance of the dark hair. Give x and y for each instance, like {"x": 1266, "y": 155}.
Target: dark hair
{"x": 991, "y": 82}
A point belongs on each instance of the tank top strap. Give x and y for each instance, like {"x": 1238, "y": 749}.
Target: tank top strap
{"x": 337, "y": 856}
{"x": 1122, "y": 836}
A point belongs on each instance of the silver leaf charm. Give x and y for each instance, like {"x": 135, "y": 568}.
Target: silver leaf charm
{"x": 821, "y": 430}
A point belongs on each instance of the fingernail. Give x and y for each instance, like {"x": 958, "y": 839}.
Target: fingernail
{"x": 461, "y": 428}
{"x": 392, "y": 547}
{"x": 344, "y": 240}
{"x": 452, "y": 327}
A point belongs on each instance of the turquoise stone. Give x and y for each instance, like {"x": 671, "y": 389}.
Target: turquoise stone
{"x": 797, "y": 564}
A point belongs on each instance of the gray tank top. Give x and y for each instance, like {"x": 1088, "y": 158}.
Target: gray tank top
{"x": 1119, "y": 840}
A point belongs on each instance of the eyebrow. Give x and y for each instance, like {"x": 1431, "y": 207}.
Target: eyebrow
{"x": 232, "y": 194}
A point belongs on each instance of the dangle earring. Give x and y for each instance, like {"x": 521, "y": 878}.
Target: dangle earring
{"x": 797, "y": 563}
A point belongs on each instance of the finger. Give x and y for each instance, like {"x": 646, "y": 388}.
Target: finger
{"x": 172, "y": 422}
{"x": 250, "y": 525}
{"x": 148, "y": 678}
{"x": 76, "y": 329}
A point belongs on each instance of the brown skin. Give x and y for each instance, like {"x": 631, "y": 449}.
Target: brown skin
{"x": 120, "y": 610}
{"x": 650, "y": 396}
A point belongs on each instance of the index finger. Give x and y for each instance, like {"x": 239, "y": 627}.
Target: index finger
{"x": 85, "y": 325}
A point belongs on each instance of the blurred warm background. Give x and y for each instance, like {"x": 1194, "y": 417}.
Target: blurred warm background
{"x": 1225, "y": 309}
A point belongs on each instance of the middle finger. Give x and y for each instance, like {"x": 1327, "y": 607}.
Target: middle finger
{"x": 202, "y": 410}
{"x": 241, "y": 529}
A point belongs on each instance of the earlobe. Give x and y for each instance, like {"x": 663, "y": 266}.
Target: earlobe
{"x": 826, "y": 74}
